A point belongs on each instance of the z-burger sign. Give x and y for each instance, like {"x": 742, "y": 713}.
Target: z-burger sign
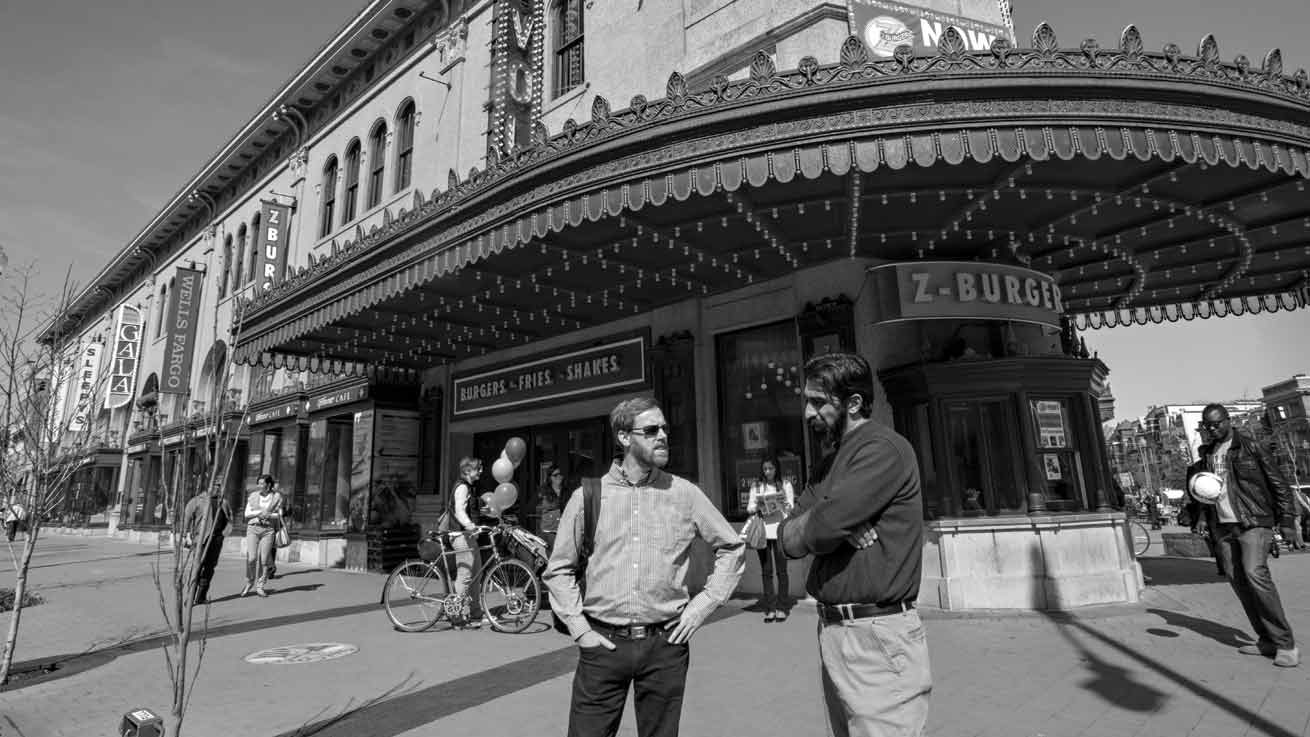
{"x": 610, "y": 366}
{"x": 965, "y": 290}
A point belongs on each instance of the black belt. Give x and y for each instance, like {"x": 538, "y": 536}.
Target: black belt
{"x": 835, "y": 613}
{"x": 627, "y": 632}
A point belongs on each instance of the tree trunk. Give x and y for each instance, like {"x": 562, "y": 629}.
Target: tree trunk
{"x": 20, "y": 591}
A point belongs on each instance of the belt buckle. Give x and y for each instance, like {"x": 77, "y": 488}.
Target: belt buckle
{"x": 637, "y": 632}
{"x": 846, "y": 611}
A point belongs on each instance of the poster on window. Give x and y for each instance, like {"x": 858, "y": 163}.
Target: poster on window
{"x": 754, "y": 435}
{"x": 1050, "y": 424}
{"x": 1052, "y": 463}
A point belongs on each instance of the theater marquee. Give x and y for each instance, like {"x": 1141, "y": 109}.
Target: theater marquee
{"x": 575, "y": 373}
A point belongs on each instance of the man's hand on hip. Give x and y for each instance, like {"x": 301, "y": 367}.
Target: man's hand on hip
{"x": 592, "y": 638}
{"x": 686, "y": 625}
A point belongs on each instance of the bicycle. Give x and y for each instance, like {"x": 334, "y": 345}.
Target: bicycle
{"x": 419, "y": 593}
{"x": 1141, "y": 537}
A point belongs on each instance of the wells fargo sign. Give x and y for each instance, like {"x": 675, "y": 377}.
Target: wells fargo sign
{"x": 125, "y": 359}
{"x": 883, "y": 25}
{"x": 272, "y": 245}
{"x": 965, "y": 290}
{"x": 615, "y": 364}
{"x": 180, "y": 346}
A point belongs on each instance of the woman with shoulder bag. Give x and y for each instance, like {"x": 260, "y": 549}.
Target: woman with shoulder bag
{"x": 263, "y": 514}
{"x": 771, "y": 498}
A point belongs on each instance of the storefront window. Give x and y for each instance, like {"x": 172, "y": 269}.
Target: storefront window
{"x": 1055, "y": 449}
{"x": 983, "y": 455}
{"x": 759, "y": 375}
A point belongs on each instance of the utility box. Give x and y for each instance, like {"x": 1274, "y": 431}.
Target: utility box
{"x": 141, "y": 723}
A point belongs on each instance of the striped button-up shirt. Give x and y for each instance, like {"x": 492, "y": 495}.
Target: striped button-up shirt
{"x": 638, "y": 566}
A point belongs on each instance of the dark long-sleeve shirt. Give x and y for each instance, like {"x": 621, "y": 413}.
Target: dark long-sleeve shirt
{"x": 873, "y": 478}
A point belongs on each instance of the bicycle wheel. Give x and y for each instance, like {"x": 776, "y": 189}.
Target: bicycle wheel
{"x": 414, "y": 595}
{"x": 511, "y": 595}
{"x": 1141, "y": 538}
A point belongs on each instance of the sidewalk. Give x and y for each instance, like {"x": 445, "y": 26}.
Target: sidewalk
{"x": 1166, "y": 667}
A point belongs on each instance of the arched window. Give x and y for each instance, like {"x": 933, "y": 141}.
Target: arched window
{"x": 377, "y": 163}
{"x": 351, "y": 198}
{"x": 159, "y": 313}
{"x": 329, "y": 189}
{"x": 239, "y": 277}
{"x": 227, "y": 266}
{"x": 252, "y": 268}
{"x": 569, "y": 72}
{"x": 404, "y": 144}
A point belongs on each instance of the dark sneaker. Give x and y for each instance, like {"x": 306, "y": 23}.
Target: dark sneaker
{"x": 1265, "y": 649}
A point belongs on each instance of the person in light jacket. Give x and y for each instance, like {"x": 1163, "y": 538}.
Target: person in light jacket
{"x": 772, "y": 497}
{"x": 263, "y": 514}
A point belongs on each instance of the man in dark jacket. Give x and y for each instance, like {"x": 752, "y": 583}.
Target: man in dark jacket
{"x": 1256, "y": 497}
{"x": 204, "y": 521}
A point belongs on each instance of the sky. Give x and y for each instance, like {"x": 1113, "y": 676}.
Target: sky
{"x": 107, "y": 108}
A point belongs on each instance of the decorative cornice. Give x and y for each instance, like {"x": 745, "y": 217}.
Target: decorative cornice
{"x": 857, "y": 72}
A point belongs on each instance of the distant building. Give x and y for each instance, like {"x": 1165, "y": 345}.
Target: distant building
{"x": 1187, "y": 417}
{"x": 1287, "y": 414}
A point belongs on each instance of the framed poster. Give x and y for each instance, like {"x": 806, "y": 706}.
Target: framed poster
{"x": 754, "y": 435}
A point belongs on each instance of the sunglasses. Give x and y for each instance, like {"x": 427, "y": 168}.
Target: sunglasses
{"x": 651, "y": 431}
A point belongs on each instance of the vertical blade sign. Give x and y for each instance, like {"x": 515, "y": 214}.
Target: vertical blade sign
{"x": 183, "y": 314}
{"x": 272, "y": 245}
{"x": 125, "y": 359}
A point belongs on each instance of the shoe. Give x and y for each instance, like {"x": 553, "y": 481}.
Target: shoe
{"x": 261, "y": 592}
{"x": 245, "y": 590}
{"x": 1288, "y": 658}
{"x": 1262, "y": 648}
{"x": 780, "y": 616}
{"x": 768, "y": 616}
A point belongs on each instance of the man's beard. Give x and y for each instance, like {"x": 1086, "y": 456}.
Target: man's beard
{"x": 831, "y": 433}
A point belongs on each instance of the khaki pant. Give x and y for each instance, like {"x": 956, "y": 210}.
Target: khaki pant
{"x": 876, "y": 677}
{"x": 259, "y": 553}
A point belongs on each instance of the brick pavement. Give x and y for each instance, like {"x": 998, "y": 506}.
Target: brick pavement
{"x": 1164, "y": 668}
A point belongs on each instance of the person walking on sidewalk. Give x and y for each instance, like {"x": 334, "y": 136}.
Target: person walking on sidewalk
{"x": 772, "y": 497}
{"x": 14, "y": 514}
{"x": 633, "y": 623}
{"x": 863, "y": 523}
{"x": 205, "y": 519}
{"x": 1255, "y": 498}
{"x": 263, "y": 513}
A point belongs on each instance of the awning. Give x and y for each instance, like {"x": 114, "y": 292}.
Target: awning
{"x": 1187, "y": 200}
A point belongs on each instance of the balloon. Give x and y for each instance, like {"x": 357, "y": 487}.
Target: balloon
{"x": 489, "y": 503}
{"x": 516, "y": 450}
{"x": 505, "y": 495}
{"x": 502, "y": 470}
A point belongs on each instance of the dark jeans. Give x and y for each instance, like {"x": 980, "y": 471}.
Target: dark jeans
{"x": 1245, "y": 556}
{"x": 773, "y": 559}
{"x": 657, "y": 672}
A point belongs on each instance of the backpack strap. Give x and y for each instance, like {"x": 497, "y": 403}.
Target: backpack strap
{"x": 590, "y": 514}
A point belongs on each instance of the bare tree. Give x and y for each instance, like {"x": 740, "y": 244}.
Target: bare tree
{"x": 214, "y": 433}
{"x": 38, "y": 453}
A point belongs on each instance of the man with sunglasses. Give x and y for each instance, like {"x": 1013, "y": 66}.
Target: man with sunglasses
{"x": 1255, "y": 498}
{"x": 636, "y": 616}
{"x": 863, "y": 523}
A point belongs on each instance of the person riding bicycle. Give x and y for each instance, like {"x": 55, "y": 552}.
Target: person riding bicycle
{"x": 464, "y": 538}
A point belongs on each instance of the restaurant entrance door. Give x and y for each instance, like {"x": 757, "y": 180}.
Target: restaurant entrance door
{"x": 579, "y": 448}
